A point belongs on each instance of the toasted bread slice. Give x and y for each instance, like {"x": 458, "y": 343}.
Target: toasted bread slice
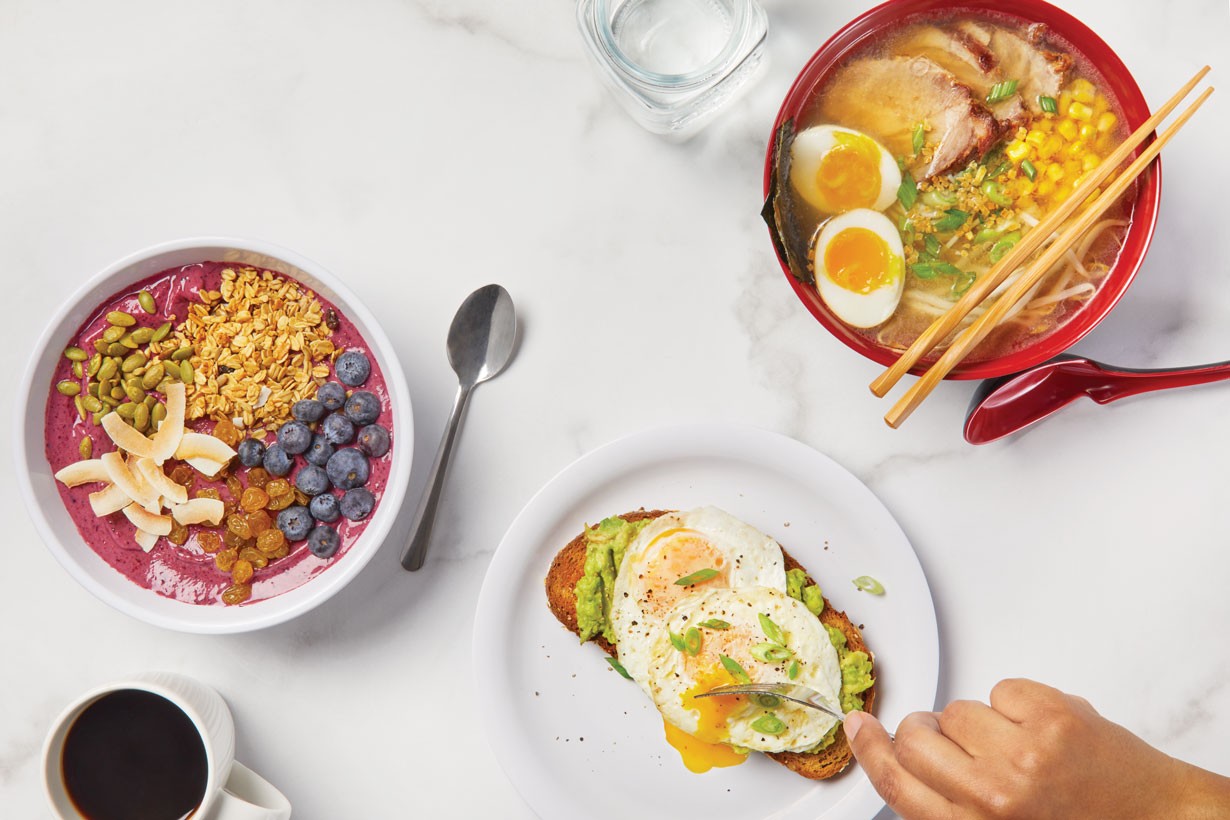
{"x": 569, "y": 566}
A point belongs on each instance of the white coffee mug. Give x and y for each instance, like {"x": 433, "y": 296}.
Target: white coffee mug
{"x": 232, "y": 790}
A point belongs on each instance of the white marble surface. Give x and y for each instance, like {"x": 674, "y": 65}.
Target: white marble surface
{"x": 421, "y": 148}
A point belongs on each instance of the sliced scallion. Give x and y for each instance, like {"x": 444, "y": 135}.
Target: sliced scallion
{"x": 677, "y": 641}
{"x": 769, "y": 652}
{"x": 618, "y": 667}
{"x": 769, "y": 724}
{"x": 1048, "y": 104}
{"x": 736, "y": 671}
{"x": 952, "y": 220}
{"x": 771, "y": 630}
{"x": 768, "y": 701}
{"x": 988, "y": 235}
{"x": 1000, "y": 249}
{"x": 866, "y": 583}
{"x": 697, "y": 577}
{"x": 920, "y": 135}
{"x": 993, "y": 191}
{"x": 963, "y": 283}
{"x": 932, "y": 244}
{"x": 1029, "y": 170}
{"x": 1001, "y": 91}
{"x": 715, "y": 623}
{"x": 907, "y": 191}
{"x": 691, "y": 641}
{"x": 939, "y": 199}
{"x": 792, "y": 671}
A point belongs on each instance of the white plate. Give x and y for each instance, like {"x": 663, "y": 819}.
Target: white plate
{"x": 576, "y": 739}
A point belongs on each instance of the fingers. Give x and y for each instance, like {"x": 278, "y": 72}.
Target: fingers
{"x": 1021, "y": 700}
{"x": 902, "y": 791}
{"x": 978, "y": 729}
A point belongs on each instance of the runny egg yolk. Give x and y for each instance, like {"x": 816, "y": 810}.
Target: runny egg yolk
{"x": 860, "y": 261}
{"x": 705, "y": 750}
{"x": 848, "y": 176}
{"x": 675, "y": 554}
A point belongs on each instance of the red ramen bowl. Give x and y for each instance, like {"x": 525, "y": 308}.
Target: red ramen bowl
{"x": 1118, "y": 82}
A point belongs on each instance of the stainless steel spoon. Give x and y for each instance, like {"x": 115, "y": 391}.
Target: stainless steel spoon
{"x": 480, "y": 345}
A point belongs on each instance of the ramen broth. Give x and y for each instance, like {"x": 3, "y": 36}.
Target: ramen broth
{"x": 1033, "y": 152}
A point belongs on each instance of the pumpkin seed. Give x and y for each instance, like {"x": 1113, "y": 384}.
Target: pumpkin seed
{"x": 75, "y": 354}
{"x": 158, "y": 412}
{"x": 118, "y": 393}
{"x": 92, "y": 404}
{"x": 80, "y": 407}
{"x": 143, "y": 335}
{"x": 121, "y": 319}
{"x": 161, "y": 332}
{"x": 101, "y": 346}
{"x": 129, "y": 342}
{"x": 127, "y": 409}
{"x": 113, "y": 334}
{"x": 171, "y": 368}
{"x": 183, "y": 353}
{"x": 68, "y": 388}
{"x": 163, "y": 385}
{"x": 109, "y": 401}
{"x": 95, "y": 364}
{"x": 146, "y": 299}
{"x": 77, "y": 370}
{"x": 152, "y": 376}
{"x": 133, "y": 361}
{"x": 150, "y": 401}
{"x": 97, "y": 417}
{"x": 92, "y": 389}
{"x": 117, "y": 349}
{"x": 107, "y": 369}
{"x": 140, "y": 418}
{"x": 132, "y": 388}
{"x": 86, "y": 447}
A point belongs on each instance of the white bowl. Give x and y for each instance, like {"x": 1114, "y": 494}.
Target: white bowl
{"x": 56, "y": 527}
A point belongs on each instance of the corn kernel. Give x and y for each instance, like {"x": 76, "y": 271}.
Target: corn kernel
{"x": 1046, "y": 187}
{"x": 1083, "y": 90}
{"x": 1106, "y": 122}
{"x": 1063, "y": 191}
{"x": 1026, "y": 204}
{"x": 1068, "y": 129}
{"x": 1054, "y": 172}
{"x": 1087, "y": 131}
{"x": 1090, "y": 162}
{"x": 1050, "y": 147}
{"x": 1101, "y": 104}
{"x": 1046, "y": 125}
{"x": 1065, "y": 100}
{"x": 1071, "y": 168}
{"x": 1080, "y": 111}
{"x": 1074, "y": 150}
{"x": 1026, "y": 187}
{"x": 1035, "y": 138}
{"x": 1076, "y": 183}
{"x": 1017, "y": 151}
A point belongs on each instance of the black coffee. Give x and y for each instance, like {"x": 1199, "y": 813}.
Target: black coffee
{"x": 134, "y": 755}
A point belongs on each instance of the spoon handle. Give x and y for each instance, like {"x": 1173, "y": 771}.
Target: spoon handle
{"x": 425, "y": 517}
{"x": 1134, "y": 382}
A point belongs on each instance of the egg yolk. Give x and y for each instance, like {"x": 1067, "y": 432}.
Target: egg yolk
{"x": 673, "y": 555}
{"x": 848, "y": 176}
{"x": 860, "y": 261}
{"x": 705, "y": 750}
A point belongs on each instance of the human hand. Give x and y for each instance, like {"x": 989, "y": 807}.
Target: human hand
{"x": 1034, "y": 752}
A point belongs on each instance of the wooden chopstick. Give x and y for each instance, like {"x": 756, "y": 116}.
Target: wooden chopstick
{"x": 1028, "y": 243}
{"x": 976, "y": 332}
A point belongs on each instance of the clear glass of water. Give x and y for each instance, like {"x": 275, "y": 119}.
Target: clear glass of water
{"x": 673, "y": 64}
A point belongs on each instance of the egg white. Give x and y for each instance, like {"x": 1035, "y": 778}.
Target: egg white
{"x": 859, "y": 309}
{"x": 812, "y": 145}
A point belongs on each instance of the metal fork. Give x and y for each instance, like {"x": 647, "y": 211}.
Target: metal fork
{"x": 792, "y": 692}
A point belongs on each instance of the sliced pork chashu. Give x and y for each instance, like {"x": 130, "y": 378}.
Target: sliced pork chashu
{"x": 1037, "y": 70}
{"x": 888, "y": 96}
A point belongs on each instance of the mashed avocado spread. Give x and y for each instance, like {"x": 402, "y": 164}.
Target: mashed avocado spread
{"x": 605, "y": 544}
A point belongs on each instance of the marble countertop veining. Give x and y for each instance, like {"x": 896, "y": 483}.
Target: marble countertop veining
{"x": 421, "y": 148}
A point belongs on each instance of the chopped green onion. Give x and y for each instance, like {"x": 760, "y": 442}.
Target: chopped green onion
{"x": 901, "y": 164}
{"x": 1029, "y": 170}
{"x": 1048, "y": 104}
{"x": 769, "y": 652}
{"x": 999, "y": 169}
{"x": 691, "y": 641}
{"x": 952, "y": 220}
{"x": 937, "y": 199}
{"x": 618, "y": 667}
{"x": 920, "y": 135}
{"x": 768, "y": 701}
{"x": 792, "y": 671}
{"x": 769, "y": 724}
{"x": 932, "y": 244}
{"x": 715, "y": 623}
{"x": 677, "y": 641}
{"x": 907, "y": 191}
{"x": 1001, "y": 91}
{"x": 993, "y": 191}
{"x": 736, "y": 671}
{"x": 866, "y": 583}
{"x": 988, "y": 234}
{"x": 771, "y": 630}
{"x": 1001, "y": 248}
{"x": 697, "y": 577}
{"x": 963, "y": 283}
{"x": 924, "y": 270}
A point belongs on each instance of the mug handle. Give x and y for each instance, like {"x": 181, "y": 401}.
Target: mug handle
{"x": 248, "y": 796}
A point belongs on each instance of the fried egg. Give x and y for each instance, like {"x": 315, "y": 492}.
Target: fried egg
{"x": 839, "y": 169}
{"x": 859, "y": 264}
{"x": 705, "y": 548}
{"x": 733, "y": 636}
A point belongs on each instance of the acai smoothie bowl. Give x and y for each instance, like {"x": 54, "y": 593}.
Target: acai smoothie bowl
{"x": 214, "y": 435}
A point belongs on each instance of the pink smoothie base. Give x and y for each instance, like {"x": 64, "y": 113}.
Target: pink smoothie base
{"x": 186, "y": 573}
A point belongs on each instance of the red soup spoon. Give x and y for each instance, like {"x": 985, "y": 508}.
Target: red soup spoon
{"x": 1010, "y": 403}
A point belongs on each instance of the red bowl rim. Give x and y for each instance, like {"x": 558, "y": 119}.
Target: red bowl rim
{"x": 1135, "y": 110}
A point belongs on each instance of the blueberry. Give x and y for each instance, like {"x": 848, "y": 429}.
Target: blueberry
{"x": 352, "y": 368}
{"x": 295, "y": 437}
{"x": 374, "y": 440}
{"x": 332, "y": 395}
{"x": 312, "y": 479}
{"x": 337, "y": 429}
{"x": 295, "y": 522}
{"x": 308, "y": 410}
{"x": 324, "y": 541}
{"x": 357, "y": 504}
{"x": 251, "y": 452}
{"x": 362, "y": 407}
{"x": 320, "y": 451}
{"x": 277, "y": 461}
{"x": 324, "y": 507}
{"x": 348, "y": 468}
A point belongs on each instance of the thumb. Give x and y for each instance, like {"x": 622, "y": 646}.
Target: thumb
{"x": 868, "y": 739}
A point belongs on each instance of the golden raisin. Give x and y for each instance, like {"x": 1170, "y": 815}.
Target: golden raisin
{"x": 301, "y": 497}
{"x": 269, "y": 540}
{"x": 209, "y": 492}
{"x": 228, "y": 433}
{"x": 178, "y": 535}
{"x": 278, "y": 488}
{"x": 209, "y": 541}
{"x": 236, "y": 488}
{"x": 236, "y": 594}
{"x": 225, "y": 560}
{"x": 183, "y": 475}
{"x": 258, "y": 522}
{"x": 242, "y": 571}
{"x": 281, "y": 502}
{"x": 281, "y": 552}
{"x": 230, "y": 507}
{"x": 258, "y": 477}
{"x": 253, "y": 499}
{"x": 238, "y": 524}
{"x": 254, "y": 557}
{"x": 234, "y": 541}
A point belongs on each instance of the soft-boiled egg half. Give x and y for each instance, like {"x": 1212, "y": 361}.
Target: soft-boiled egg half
{"x": 678, "y": 554}
{"x": 859, "y": 264}
{"x": 839, "y": 169}
{"x": 738, "y": 636}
